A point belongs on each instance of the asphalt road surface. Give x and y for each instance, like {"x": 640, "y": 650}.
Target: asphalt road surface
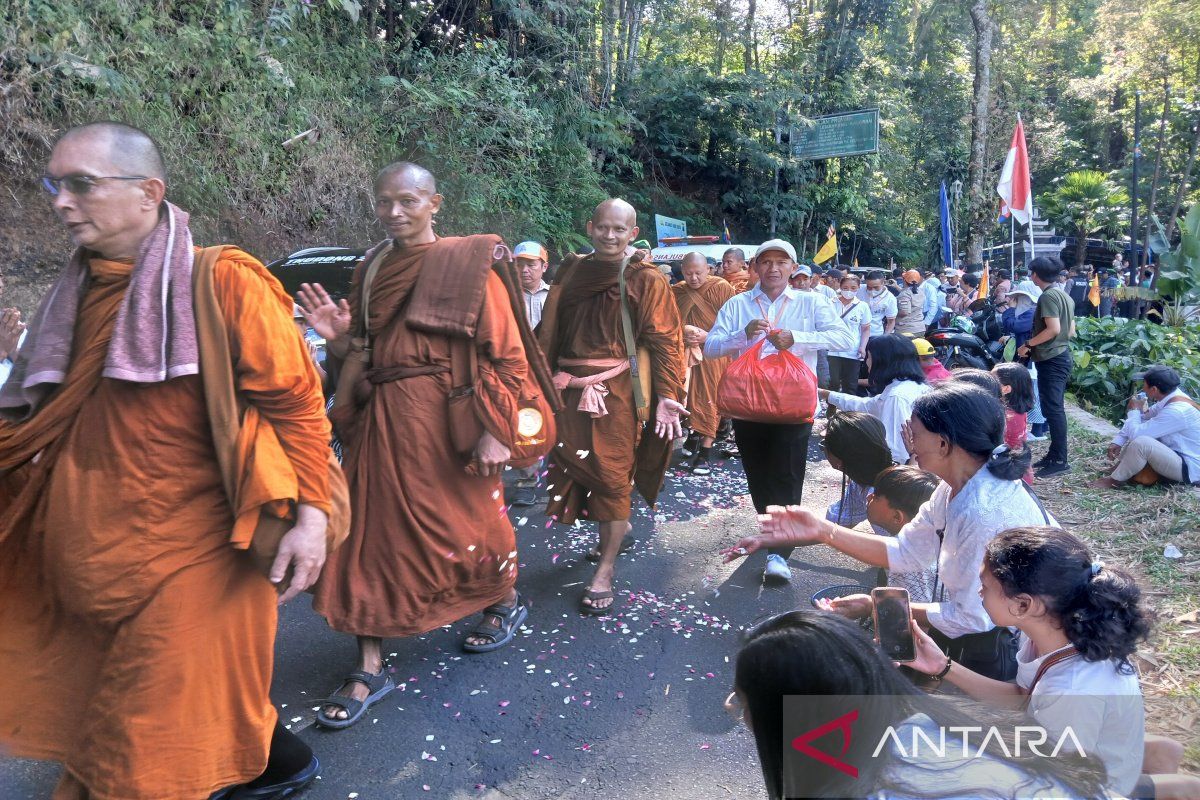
{"x": 627, "y": 706}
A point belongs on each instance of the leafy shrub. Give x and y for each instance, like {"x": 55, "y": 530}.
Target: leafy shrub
{"x": 1109, "y": 352}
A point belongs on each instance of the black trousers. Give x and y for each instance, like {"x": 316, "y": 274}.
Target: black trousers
{"x": 843, "y": 374}
{"x": 1053, "y": 374}
{"x": 774, "y": 457}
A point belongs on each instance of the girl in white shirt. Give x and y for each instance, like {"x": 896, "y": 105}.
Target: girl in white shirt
{"x": 896, "y": 380}
{"x": 1079, "y": 622}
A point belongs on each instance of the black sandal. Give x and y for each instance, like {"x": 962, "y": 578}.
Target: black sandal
{"x": 378, "y": 687}
{"x": 511, "y": 618}
{"x": 593, "y": 595}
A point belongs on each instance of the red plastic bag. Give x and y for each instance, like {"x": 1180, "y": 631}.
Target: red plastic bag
{"x": 780, "y": 388}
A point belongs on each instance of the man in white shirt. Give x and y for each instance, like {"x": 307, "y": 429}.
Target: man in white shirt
{"x": 1165, "y": 437}
{"x": 531, "y": 258}
{"x": 774, "y": 455}
{"x": 882, "y": 304}
{"x": 932, "y": 297}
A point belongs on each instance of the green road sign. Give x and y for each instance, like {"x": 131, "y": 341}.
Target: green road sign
{"x": 850, "y": 133}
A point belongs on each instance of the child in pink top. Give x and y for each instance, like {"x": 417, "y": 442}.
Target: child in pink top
{"x": 1016, "y": 388}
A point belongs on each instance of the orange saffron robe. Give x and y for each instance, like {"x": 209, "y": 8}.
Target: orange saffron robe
{"x": 698, "y": 308}
{"x": 593, "y": 470}
{"x": 739, "y": 282}
{"x": 136, "y": 645}
{"x": 429, "y": 544}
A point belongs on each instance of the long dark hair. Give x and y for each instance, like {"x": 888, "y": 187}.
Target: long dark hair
{"x": 1099, "y": 607}
{"x": 859, "y": 441}
{"x": 970, "y": 418}
{"x": 815, "y": 653}
{"x": 979, "y": 377}
{"x": 893, "y": 358}
{"x": 1019, "y": 383}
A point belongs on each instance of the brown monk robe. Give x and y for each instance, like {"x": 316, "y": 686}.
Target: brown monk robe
{"x": 699, "y": 297}
{"x": 429, "y": 544}
{"x": 601, "y": 458}
{"x": 429, "y": 540}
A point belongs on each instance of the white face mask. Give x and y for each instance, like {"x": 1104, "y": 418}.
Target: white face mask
{"x": 847, "y": 293}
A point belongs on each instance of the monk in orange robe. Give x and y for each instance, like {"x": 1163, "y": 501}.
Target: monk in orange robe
{"x": 603, "y": 452}
{"x": 429, "y": 540}
{"x": 699, "y": 296}
{"x": 735, "y": 272}
{"x": 136, "y": 643}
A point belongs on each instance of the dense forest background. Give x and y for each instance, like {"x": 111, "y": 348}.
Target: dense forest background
{"x": 274, "y": 114}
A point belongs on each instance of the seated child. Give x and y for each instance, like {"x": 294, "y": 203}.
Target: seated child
{"x": 898, "y": 495}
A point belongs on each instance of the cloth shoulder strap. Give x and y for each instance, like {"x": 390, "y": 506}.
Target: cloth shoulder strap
{"x": 1183, "y": 398}
{"x": 1057, "y": 657}
{"x": 369, "y": 273}
{"x": 639, "y": 398}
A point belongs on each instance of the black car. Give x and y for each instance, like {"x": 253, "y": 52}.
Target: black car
{"x": 332, "y": 267}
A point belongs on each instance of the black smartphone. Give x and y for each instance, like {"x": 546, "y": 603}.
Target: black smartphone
{"x": 893, "y": 623}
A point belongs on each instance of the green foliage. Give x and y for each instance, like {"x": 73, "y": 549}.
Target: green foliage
{"x": 1179, "y": 276}
{"x": 1109, "y": 351}
{"x": 1082, "y": 203}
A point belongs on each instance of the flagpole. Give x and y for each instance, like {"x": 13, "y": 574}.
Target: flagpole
{"x": 1012, "y": 244}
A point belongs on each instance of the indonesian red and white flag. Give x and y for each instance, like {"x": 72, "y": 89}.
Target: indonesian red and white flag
{"x": 1014, "y": 186}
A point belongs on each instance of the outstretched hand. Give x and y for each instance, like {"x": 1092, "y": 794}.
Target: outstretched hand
{"x": 329, "y": 319}
{"x": 795, "y": 525}
{"x": 667, "y": 418}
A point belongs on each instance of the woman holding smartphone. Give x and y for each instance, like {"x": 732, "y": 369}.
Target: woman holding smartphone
{"x": 956, "y": 432}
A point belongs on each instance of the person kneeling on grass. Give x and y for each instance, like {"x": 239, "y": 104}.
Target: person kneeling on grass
{"x": 1164, "y": 438}
{"x": 1079, "y": 621}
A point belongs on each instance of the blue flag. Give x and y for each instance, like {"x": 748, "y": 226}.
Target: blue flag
{"x": 944, "y": 216}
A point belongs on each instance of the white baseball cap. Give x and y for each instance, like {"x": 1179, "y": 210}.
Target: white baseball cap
{"x": 776, "y": 244}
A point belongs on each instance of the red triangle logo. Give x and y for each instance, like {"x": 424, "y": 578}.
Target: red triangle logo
{"x": 842, "y": 723}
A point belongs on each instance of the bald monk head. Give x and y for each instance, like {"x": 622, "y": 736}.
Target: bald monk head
{"x": 733, "y": 263}
{"x": 107, "y": 183}
{"x": 612, "y": 228}
{"x": 406, "y": 200}
{"x": 694, "y": 267}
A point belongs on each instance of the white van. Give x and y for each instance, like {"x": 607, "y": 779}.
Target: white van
{"x": 673, "y": 253}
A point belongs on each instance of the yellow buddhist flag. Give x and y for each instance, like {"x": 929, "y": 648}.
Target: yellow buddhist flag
{"x": 984, "y": 284}
{"x": 1094, "y": 291}
{"x": 829, "y": 249}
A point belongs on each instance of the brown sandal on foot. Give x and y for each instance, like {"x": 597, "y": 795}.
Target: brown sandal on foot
{"x": 593, "y": 595}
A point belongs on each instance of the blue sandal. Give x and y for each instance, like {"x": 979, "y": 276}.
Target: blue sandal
{"x": 378, "y": 687}
{"x": 510, "y": 618}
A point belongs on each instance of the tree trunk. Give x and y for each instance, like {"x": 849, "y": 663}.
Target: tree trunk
{"x": 607, "y": 32}
{"x": 1081, "y": 235}
{"x": 980, "y": 108}
{"x": 723, "y": 12}
{"x": 749, "y": 57}
{"x": 1184, "y": 179}
{"x": 1158, "y": 157}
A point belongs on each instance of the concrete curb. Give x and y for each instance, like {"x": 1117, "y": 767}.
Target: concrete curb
{"x": 1090, "y": 421}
